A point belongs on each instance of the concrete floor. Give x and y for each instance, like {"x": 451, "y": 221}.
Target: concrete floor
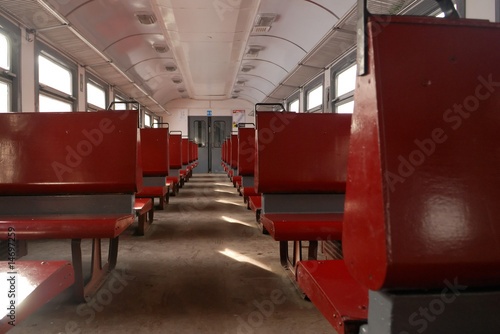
{"x": 203, "y": 267}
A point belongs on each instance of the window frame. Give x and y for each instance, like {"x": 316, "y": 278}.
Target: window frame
{"x": 311, "y": 86}
{"x": 11, "y": 76}
{"x": 61, "y": 60}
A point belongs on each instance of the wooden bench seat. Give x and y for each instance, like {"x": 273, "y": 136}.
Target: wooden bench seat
{"x": 144, "y": 210}
{"x": 37, "y": 282}
{"x": 72, "y": 226}
{"x": 155, "y": 192}
{"x": 303, "y": 226}
{"x": 340, "y": 298}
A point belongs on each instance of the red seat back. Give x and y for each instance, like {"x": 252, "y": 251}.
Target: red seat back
{"x": 155, "y": 153}
{"x": 301, "y": 153}
{"x": 61, "y": 153}
{"x": 246, "y": 151}
{"x": 175, "y": 151}
{"x": 424, "y": 184}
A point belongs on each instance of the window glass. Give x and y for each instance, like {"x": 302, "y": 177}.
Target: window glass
{"x": 54, "y": 75}
{"x": 315, "y": 97}
{"x": 120, "y": 105}
{"x": 219, "y": 133}
{"x": 4, "y": 97}
{"x": 48, "y": 104}
{"x": 147, "y": 120}
{"x": 200, "y": 134}
{"x": 346, "y": 81}
{"x": 294, "y": 106}
{"x": 4, "y": 52}
{"x": 345, "y": 108}
{"x": 96, "y": 95}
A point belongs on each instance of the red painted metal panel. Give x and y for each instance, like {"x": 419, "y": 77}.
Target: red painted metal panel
{"x": 185, "y": 151}
{"x": 303, "y": 226}
{"x": 342, "y": 300}
{"x": 423, "y": 184}
{"x": 65, "y": 226}
{"x": 234, "y": 151}
{"x": 301, "y": 153}
{"x": 155, "y": 155}
{"x": 56, "y": 153}
{"x": 45, "y": 280}
{"x": 246, "y": 151}
{"x": 175, "y": 151}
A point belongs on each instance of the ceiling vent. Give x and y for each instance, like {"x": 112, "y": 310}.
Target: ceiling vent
{"x": 160, "y": 48}
{"x": 240, "y": 82}
{"x": 181, "y": 90}
{"x": 171, "y": 68}
{"x": 176, "y": 80}
{"x": 146, "y": 17}
{"x": 237, "y": 90}
{"x": 263, "y": 22}
{"x": 253, "y": 51}
{"x": 247, "y": 68}
{"x": 234, "y": 96}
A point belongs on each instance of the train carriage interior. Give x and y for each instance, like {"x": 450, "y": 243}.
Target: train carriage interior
{"x": 249, "y": 166}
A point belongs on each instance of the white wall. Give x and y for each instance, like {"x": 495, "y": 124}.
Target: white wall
{"x": 480, "y": 9}
{"x": 181, "y": 109}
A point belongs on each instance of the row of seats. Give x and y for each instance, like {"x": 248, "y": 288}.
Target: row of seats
{"x": 408, "y": 186}
{"x": 81, "y": 176}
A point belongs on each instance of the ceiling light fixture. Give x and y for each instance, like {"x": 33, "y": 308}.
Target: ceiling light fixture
{"x": 176, "y": 80}
{"x": 161, "y": 48}
{"x": 146, "y": 17}
{"x": 171, "y": 68}
{"x": 264, "y": 21}
{"x": 253, "y": 51}
{"x": 247, "y": 68}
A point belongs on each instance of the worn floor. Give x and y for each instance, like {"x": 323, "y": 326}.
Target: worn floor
{"x": 203, "y": 267}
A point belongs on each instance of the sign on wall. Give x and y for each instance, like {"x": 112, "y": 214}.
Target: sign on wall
{"x": 238, "y": 117}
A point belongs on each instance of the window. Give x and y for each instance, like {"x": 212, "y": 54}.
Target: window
{"x": 313, "y": 95}
{"x": 344, "y": 85}
{"x": 219, "y": 133}
{"x": 56, "y": 82}
{"x": 4, "y": 52}
{"x": 294, "y": 106}
{"x": 147, "y": 120}
{"x": 96, "y": 96}
{"x": 54, "y": 75}
{"x": 9, "y": 66}
{"x": 200, "y": 133}
{"x": 50, "y": 104}
{"x": 315, "y": 98}
{"x": 120, "y": 104}
{"x": 156, "y": 122}
{"x": 4, "y": 97}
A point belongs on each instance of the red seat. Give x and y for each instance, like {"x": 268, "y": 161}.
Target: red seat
{"x": 144, "y": 207}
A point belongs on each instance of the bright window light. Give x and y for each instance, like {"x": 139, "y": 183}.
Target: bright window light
{"x": 147, "y": 120}
{"x": 346, "y": 108}
{"x": 315, "y": 97}
{"x": 4, "y": 52}
{"x": 294, "y": 106}
{"x": 4, "y": 97}
{"x": 54, "y": 75}
{"x": 346, "y": 81}
{"x": 120, "y": 105}
{"x": 243, "y": 258}
{"x": 49, "y": 104}
{"x": 96, "y": 95}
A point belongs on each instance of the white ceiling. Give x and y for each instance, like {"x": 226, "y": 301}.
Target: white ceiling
{"x": 207, "y": 42}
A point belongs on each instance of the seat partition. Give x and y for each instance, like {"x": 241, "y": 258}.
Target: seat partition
{"x": 301, "y": 153}
{"x": 155, "y": 151}
{"x": 423, "y": 182}
{"x": 59, "y": 153}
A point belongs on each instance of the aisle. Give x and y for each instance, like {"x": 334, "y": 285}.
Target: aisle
{"x": 203, "y": 267}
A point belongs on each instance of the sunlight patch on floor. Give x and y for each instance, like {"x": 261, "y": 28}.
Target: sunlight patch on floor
{"x": 243, "y": 258}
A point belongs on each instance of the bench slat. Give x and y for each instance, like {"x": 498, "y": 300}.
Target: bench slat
{"x": 66, "y": 226}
